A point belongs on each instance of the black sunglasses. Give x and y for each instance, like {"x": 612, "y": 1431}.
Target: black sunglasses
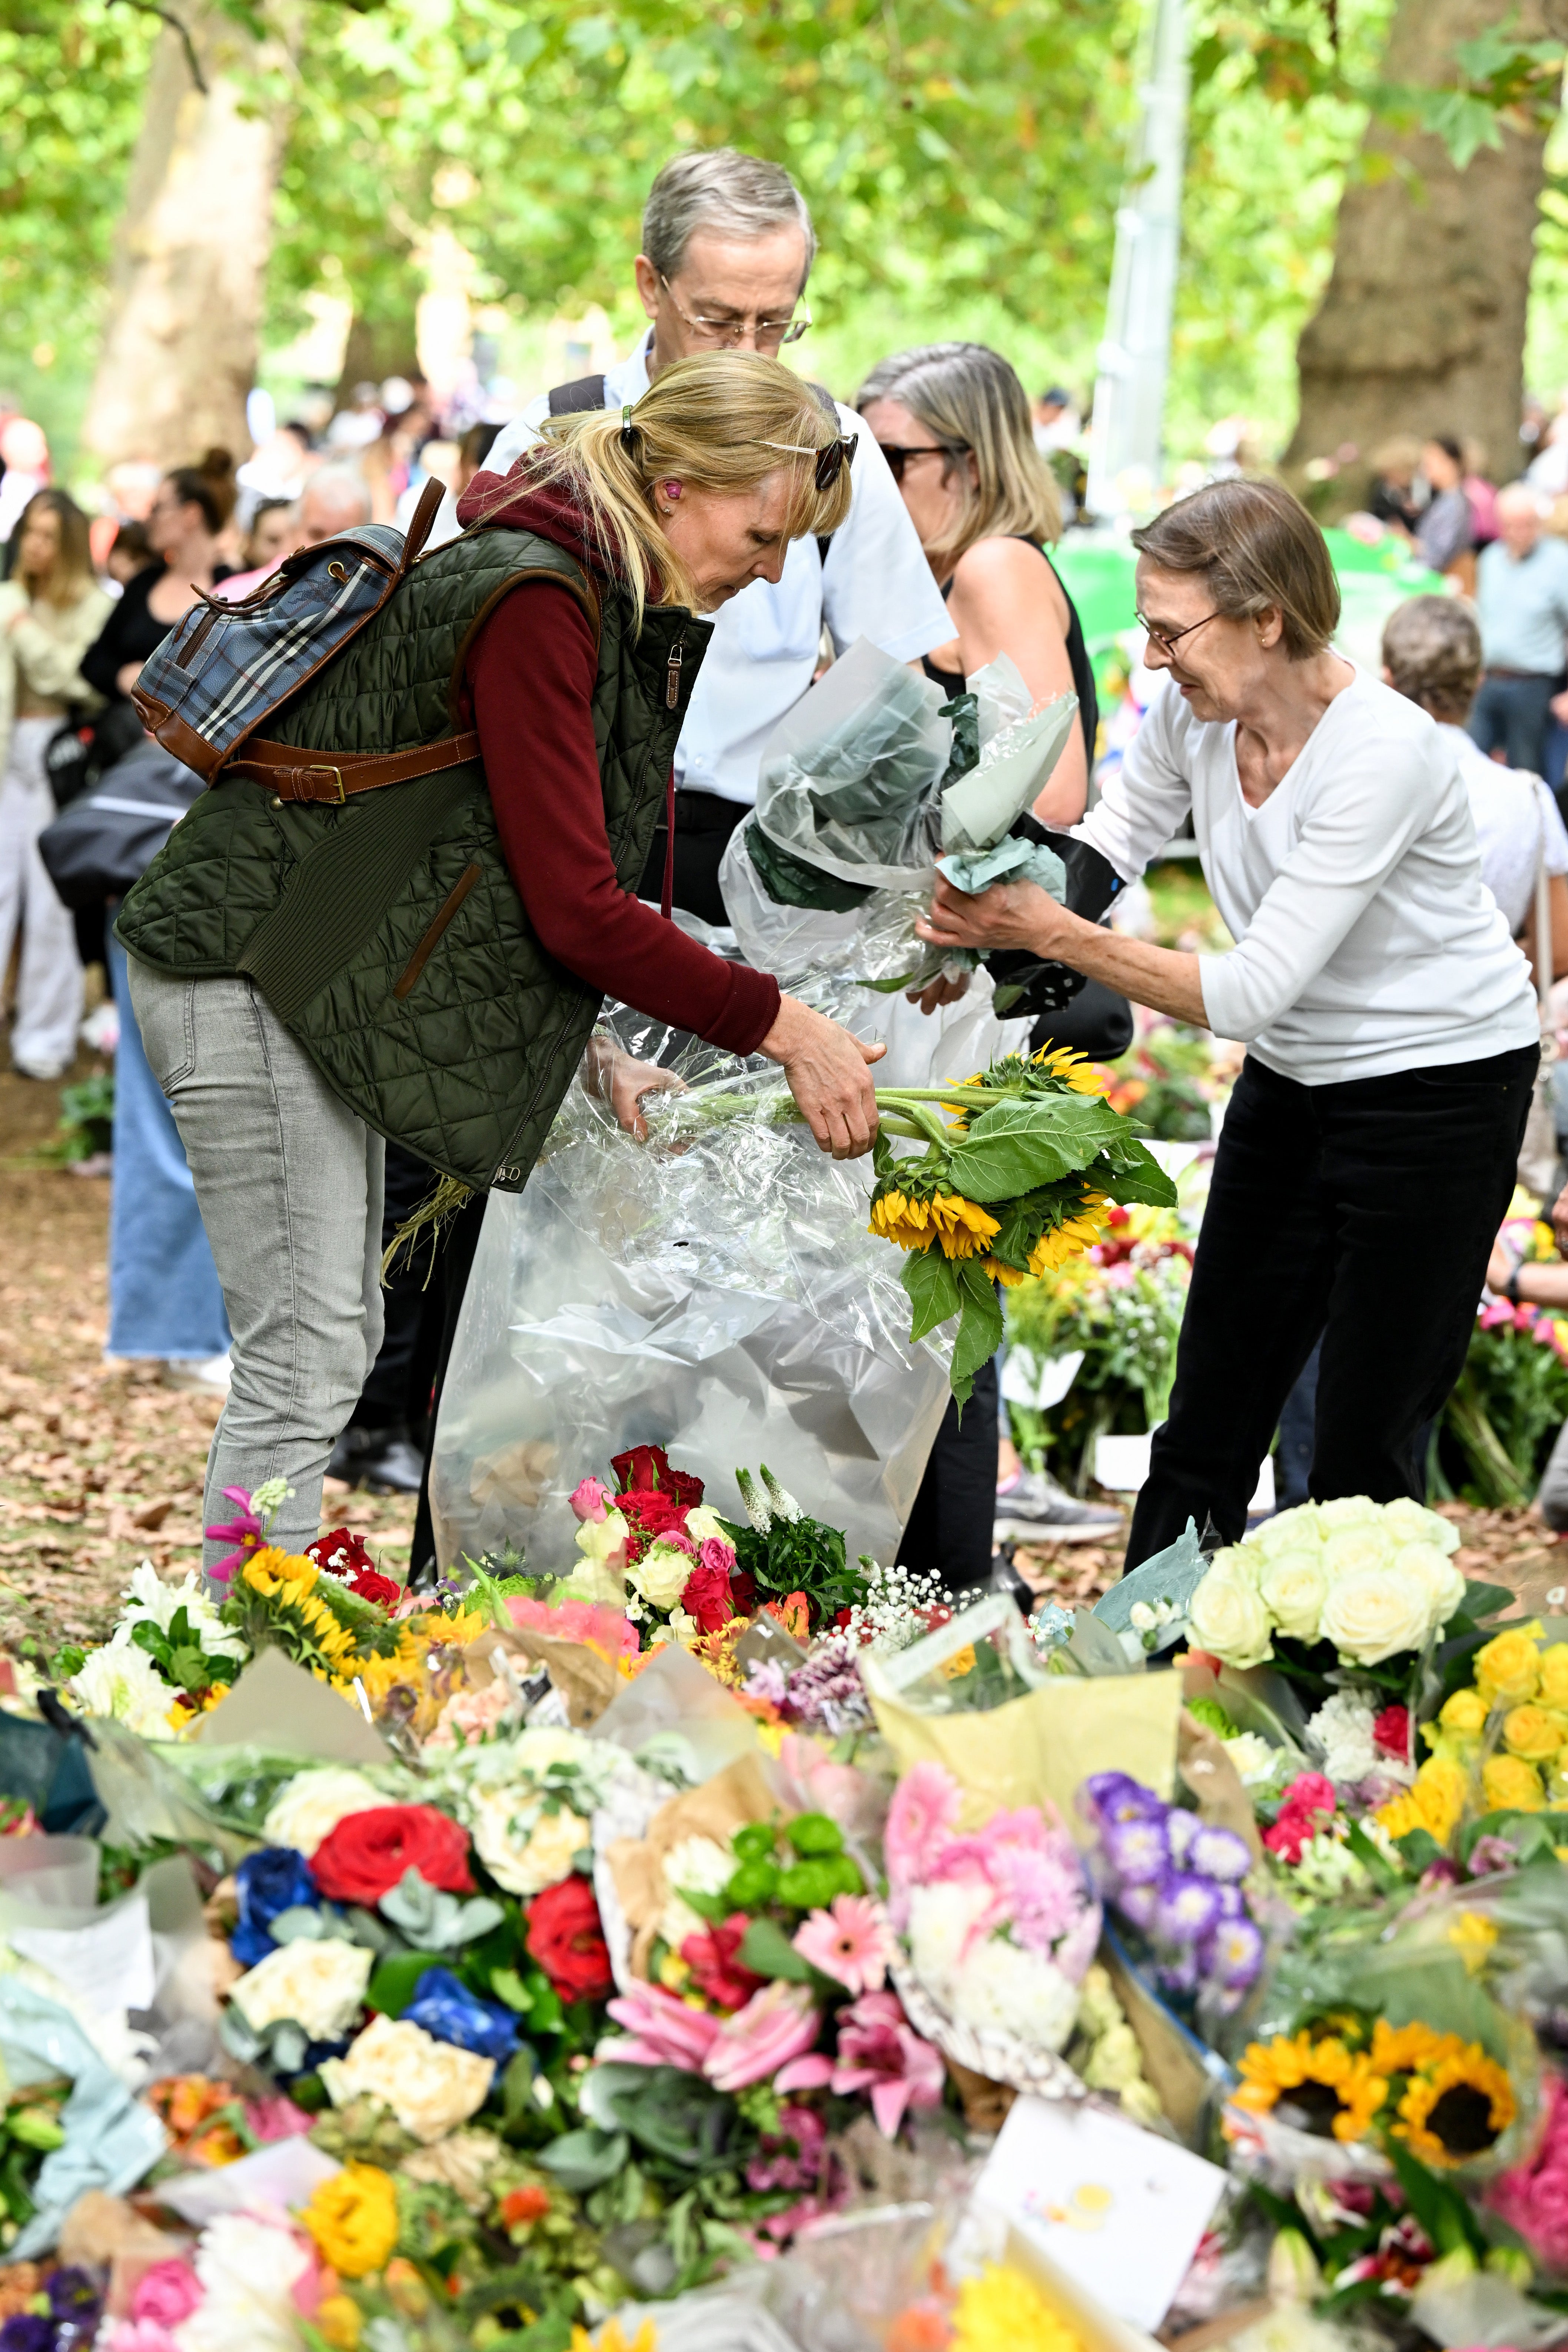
{"x": 898, "y": 458}
{"x": 830, "y": 461}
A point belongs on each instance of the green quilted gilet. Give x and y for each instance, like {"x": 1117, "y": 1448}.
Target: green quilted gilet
{"x": 461, "y": 1053}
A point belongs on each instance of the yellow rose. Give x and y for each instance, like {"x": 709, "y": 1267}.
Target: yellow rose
{"x": 1511, "y": 1785}
{"x": 1554, "y": 1675}
{"x": 1433, "y": 1803}
{"x": 353, "y": 2218}
{"x": 1510, "y": 1666}
{"x": 338, "y": 2319}
{"x": 1465, "y": 1711}
{"x": 1533, "y": 1732}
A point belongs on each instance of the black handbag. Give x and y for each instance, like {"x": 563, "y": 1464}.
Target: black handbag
{"x": 1067, "y": 1007}
{"x": 81, "y": 750}
{"x": 105, "y": 839}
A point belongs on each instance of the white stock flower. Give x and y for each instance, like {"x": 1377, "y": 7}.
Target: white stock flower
{"x": 431, "y": 2087}
{"x": 313, "y": 1804}
{"x": 1444, "y": 1583}
{"x": 1413, "y": 1523}
{"x": 249, "y": 2269}
{"x": 320, "y": 1985}
{"x": 1228, "y": 1619}
{"x": 1352, "y": 1552}
{"x": 524, "y": 1848}
{"x": 1293, "y": 1587}
{"x": 122, "y": 1681}
{"x": 1373, "y": 1612}
{"x": 1343, "y": 1730}
{"x": 697, "y": 1865}
{"x": 660, "y": 1576}
{"x": 151, "y": 1598}
{"x": 941, "y": 1921}
{"x": 1002, "y": 1988}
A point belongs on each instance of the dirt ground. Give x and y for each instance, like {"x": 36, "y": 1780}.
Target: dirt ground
{"x": 101, "y": 1465}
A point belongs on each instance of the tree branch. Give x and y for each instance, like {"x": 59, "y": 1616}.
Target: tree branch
{"x": 150, "y": 8}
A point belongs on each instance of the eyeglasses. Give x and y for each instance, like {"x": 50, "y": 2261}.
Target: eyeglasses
{"x": 726, "y": 334}
{"x": 898, "y": 458}
{"x": 830, "y": 461}
{"x": 1169, "y": 639}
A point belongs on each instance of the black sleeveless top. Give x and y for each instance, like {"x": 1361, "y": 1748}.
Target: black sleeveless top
{"x": 1077, "y": 656}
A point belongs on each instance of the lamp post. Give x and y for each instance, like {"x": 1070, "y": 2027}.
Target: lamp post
{"x": 1130, "y": 388}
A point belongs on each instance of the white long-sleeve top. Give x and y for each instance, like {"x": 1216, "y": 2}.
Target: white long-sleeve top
{"x": 1366, "y": 940}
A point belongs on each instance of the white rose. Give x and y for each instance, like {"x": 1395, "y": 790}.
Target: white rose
{"x": 122, "y": 1681}
{"x": 1413, "y": 1523}
{"x": 1253, "y": 1757}
{"x": 524, "y": 1849}
{"x": 1292, "y": 1587}
{"x": 1350, "y": 1551}
{"x": 703, "y": 1522}
{"x": 320, "y": 1985}
{"x": 1242, "y": 1563}
{"x": 698, "y": 1865}
{"x": 1371, "y": 1613}
{"x": 1227, "y": 1617}
{"x": 1003, "y": 1990}
{"x": 1349, "y": 1511}
{"x": 313, "y": 1804}
{"x": 431, "y": 2087}
{"x": 660, "y": 1576}
{"x": 1286, "y": 1531}
{"x": 1444, "y": 1583}
{"x": 603, "y": 1539}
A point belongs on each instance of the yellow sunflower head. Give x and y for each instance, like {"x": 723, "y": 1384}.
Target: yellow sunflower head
{"x": 962, "y": 1227}
{"x": 908, "y": 1223}
{"x": 1084, "y": 1076}
{"x": 1454, "y": 2111}
{"x": 1319, "y": 2084}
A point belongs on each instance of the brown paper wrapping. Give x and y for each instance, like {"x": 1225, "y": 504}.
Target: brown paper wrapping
{"x": 741, "y": 1793}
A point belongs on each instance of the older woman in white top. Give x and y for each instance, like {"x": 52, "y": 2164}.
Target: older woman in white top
{"x": 1390, "y": 1022}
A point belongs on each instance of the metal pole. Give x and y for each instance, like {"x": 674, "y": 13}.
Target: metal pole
{"x": 1124, "y": 453}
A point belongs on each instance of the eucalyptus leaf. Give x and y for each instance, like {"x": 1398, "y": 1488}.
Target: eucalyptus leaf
{"x": 584, "y": 2159}
{"x": 933, "y": 1288}
{"x": 435, "y": 1920}
{"x": 300, "y": 1923}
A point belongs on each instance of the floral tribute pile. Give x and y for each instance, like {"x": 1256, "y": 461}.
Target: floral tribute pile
{"x": 463, "y": 2015}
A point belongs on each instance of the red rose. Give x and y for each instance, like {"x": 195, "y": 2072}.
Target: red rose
{"x": 566, "y": 1940}
{"x": 341, "y": 1554}
{"x": 379, "y": 1588}
{"x": 743, "y": 1592}
{"x": 364, "y": 1857}
{"x": 1391, "y": 1732}
{"x": 707, "y": 1597}
{"x": 651, "y": 1511}
{"x": 642, "y": 1466}
{"x": 715, "y": 1971}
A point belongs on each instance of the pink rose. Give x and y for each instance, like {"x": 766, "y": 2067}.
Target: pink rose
{"x": 588, "y": 1500}
{"x": 714, "y": 1552}
{"x": 166, "y": 2294}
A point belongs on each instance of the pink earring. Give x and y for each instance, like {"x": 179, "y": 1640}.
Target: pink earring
{"x": 672, "y": 490}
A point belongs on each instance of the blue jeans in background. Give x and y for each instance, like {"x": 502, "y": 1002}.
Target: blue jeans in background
{"x": 165, "y": 1298}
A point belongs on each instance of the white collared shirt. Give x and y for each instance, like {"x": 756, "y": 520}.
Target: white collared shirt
{"x": 875, "y": 583}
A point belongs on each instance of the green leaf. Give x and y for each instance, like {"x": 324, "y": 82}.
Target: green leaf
{"x": 933, "y": 1287}
{"x": 1017, "y": 1144}
{"x": 1133, "y": 1174}
{"x": 1442, "y": 2211}
{"x": 1376, "y": 1865}
{"x": 766, "y": 1951}
{"x": 1485, "y": 1600}
{"x": 392, "y": 1985}
{"x": 980, "y": 1326}
{"x": 584, "y": 2159}
{"x": 1420, "y": 1850}
{"x": 507, "y": 1986}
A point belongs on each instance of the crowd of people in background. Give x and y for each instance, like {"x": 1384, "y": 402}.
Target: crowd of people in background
{"x": 84, "y": 599}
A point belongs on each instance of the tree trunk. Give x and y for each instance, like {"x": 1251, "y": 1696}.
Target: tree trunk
{"x": 180, "y": 349}
{"x": 1422, "y": 328}
{"x": 382, "y": 341}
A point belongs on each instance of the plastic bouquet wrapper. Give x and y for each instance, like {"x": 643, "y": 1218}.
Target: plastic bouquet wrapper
{"x": 868, "y": 788}
{"x": 717, "y": 1290}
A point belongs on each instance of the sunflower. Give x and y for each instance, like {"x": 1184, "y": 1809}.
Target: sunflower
{"x": 1328, "y": 2088}
{"x": 1458, "y": 2109}
{"x": 1076, "y": 1232}
{"x": 1084, "y": 1076}
{"x": 962, "y": 1227}
{"x": 898, "y": 1218}
{"x": 1406, "y": 2049}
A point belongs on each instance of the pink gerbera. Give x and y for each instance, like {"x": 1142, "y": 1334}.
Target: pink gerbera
{"x": 851, "y": 1942}
{"x": 924, "y": 1809}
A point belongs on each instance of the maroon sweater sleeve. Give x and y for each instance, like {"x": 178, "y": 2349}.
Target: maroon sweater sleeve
{"x": 531, "y": 676}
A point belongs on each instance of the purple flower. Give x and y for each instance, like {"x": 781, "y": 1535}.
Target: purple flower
{"x": 1187, "y": 1908}
{"x": 1220, "y": 1854}
{"x": 27, "y": 2331}
{"x": 1233, "y": 1903}
{"x": 1117, "y": 1797}
{"x": 1181, "y": 1828}
{"x": 74, "y": 2293}
{"x": 1180, "y": 1974}
{"x": 1490, "y": 1853}
{"x": 1136, "y": 1848}
{"x": 1234, "y": 1954}
{"x": 1139, "y": 1904}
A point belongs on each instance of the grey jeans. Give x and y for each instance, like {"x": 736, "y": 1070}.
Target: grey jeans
{"x": 289, "y": 1182}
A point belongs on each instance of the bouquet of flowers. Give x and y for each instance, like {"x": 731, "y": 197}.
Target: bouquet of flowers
{"x": 1176, "y": 1881}
{"x": 1355, "y": 2078}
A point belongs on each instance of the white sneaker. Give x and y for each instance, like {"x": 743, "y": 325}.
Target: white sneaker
{"x": 1035, "y": 1509}
{"x": 46, "y": 1073}
{"x": 209, "y": 1375}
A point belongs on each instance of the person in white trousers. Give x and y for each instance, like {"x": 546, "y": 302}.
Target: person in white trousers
{"x": 51, "y": 609}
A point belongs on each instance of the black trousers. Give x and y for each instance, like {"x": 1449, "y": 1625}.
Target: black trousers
{"x": 1366, "y": 1212}
{"x": 949, "y": 1534}
{"x": 704, "y": 823}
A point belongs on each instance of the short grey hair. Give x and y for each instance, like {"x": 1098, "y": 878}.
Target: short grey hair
{"x": 1432, "y": 652}
{"x": 719, "y": 188}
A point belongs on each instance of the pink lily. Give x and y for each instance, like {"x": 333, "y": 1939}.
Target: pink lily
{"x": 879, "y": 2051}
{"x": 664, "y": 2031}
{"x": 244, "y": 1531}
{"x": 779, "y": 2023}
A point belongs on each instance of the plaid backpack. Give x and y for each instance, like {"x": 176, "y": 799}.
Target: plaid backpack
{"x": 223, "y": 668}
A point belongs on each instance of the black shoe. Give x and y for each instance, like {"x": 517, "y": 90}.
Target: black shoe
{"x": 382, "y": 1460}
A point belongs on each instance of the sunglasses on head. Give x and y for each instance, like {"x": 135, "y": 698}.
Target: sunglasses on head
{"x": 830, "y": 461}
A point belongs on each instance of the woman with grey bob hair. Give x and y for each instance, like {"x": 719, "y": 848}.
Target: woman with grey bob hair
{"x": 954, "y": 424}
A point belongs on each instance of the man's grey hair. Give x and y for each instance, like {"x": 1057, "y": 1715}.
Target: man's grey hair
{"x": 346, "y": 494}
{"x": 721, "y": 189}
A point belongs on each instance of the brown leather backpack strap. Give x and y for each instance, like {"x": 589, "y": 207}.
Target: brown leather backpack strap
{"x": 295, "y": 773}
{"x": 421, "y": 524}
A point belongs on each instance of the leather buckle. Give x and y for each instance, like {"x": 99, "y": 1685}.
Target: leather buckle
{"x": 339, "y": 798}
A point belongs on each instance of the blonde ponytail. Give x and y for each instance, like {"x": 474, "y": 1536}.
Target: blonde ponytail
{"x": 715, "y": 423}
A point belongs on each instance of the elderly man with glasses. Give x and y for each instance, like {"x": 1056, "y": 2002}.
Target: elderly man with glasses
{"x": 728, "y": 247}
